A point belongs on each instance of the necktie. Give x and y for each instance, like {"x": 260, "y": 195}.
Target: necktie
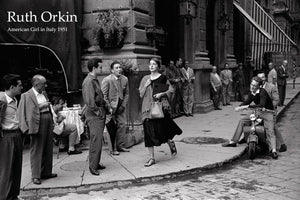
{"x": 120, "y": 88}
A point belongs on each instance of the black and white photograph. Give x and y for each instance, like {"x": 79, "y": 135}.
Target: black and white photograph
{"x": 150, "y": 99}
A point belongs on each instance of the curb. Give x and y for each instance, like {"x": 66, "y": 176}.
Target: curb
{"x": 279, "y": 114}
{"x": 34, "y": 193}
{"x": 30, "y": 193}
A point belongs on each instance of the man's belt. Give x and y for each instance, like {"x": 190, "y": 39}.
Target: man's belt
{"x": 43, "y": 113}
{"x": 11, "y": 131}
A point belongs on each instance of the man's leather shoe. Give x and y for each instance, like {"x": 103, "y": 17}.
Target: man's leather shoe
{"x": 100, "y": 167}
{"x": 36, "y": 181}
{"x": 274, "y": 155}
{"x": 74, "y": 152}
{"x": 282, "y": 148}
{"x": 228, "y": 104}
{"x": 228, "y": 144}
{"x": 123, "y": 150}
{"x": 49, "y": 176}
{"x": 63, "y": 149}
{"x": 94, "y": 172}
{"x": 114, "y": 153}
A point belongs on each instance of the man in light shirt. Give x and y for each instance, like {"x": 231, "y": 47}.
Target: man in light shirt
{"x": 226, "y": 79}
{"x": 216, "y": 88}
{"x": 36, "y": 120}
{"x": 188, "y": 78}
{"x": 11, "y": 145}
{"x": 272, "y": 75}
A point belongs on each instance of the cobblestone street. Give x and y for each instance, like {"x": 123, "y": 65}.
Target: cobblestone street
{"x": 262, "y": 178}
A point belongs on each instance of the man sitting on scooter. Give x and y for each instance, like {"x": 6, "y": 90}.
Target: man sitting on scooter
{"x": 273, "y": 94}
{"x": 262, "y": 100}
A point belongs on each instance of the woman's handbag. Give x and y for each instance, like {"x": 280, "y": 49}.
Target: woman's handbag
{"x": 156, "y": 111}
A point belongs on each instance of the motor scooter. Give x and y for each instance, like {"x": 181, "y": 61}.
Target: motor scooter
{"x": 255, "y": 134}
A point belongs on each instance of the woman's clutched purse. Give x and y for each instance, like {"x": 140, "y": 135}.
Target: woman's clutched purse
{"x": 156, "y": 111}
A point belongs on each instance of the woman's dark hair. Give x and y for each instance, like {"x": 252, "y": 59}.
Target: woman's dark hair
{"x": 157, "y": 61}
{"x": 10, "y": 80}
{"x": 93, "y": 63}
{"x": 114, "y": 63}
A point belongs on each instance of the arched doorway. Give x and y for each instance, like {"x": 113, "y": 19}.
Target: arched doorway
{"x": 167, "y": 18}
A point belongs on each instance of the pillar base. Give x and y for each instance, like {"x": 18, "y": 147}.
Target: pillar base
{"x": 203, "y": 107}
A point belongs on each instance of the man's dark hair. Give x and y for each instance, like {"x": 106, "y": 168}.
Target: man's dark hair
{"x": 114, "y": 63}
{"x": 257, "y": 79}
{"x": 10, "y": 80}
{"x": 93, "y": 63}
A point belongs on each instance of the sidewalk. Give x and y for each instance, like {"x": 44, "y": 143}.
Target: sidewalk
{"x": 127, "y": 168}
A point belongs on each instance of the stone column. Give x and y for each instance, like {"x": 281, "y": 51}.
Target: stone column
{"x": 229, "y": 52}
{"x": 202, "y": 67}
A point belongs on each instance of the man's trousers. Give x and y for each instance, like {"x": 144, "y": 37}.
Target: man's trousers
{"x": 11, "y": 148}
{"x": 96, "y": 127}
{"x": 41, "y": 148}
{"x": 226, "y": 93}
{"x": 121, "y": 131}
{"x": 281, "y": 93}
{"x": 216, "y": 96}
{"x": 188, "y": 97}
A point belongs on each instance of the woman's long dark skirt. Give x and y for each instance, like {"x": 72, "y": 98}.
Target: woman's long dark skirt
{"x": 159, "y": 131}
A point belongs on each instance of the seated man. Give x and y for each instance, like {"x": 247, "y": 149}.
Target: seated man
{"x": 262, "y": 100}
{"x": 68, "y": 130}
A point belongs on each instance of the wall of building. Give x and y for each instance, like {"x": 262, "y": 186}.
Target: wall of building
{"x": 192, "y": 41}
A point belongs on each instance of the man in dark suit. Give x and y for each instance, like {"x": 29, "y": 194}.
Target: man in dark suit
{"x": 11, "y": 146}
{"x": 116, "y": 93}
{"x": 281, "y": 81}
{"x": 36, "y": 120}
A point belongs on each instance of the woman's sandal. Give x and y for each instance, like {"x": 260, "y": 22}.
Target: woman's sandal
{"x": 172, "y": 146}
{"x": 150, "y": 162}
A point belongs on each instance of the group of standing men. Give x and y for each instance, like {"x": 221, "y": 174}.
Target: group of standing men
{"x": 108, "y": 98}
{"x": 221, "y": 86}
{"x": 33, "y": 117}
{"x": 181, "y": 76}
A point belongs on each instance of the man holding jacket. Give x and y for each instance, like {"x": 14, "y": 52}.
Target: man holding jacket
{"x": 116, "y": 93}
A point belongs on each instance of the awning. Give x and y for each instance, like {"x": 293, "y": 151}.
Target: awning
{"x": 266, "y": 35}
{"x": 251, "y": 20}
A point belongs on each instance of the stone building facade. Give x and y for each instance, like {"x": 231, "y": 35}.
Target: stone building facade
{"x": 198, "y": 40}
